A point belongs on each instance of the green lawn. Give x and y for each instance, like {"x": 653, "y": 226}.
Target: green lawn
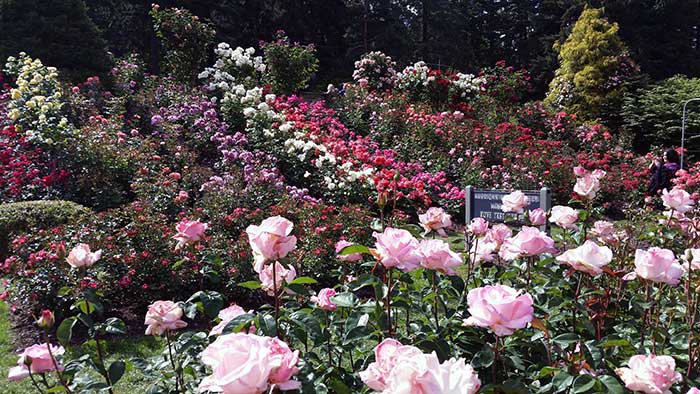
{"x": 131, "y": 383}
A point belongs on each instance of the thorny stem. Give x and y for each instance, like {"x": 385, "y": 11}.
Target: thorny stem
{"x": 100, "y": 357}
{"x": 437, "y": 300}
{"x": 178, "y": 377}
{"x": 578, "y": 293}
{"x": 277, "y": 299}
{"x": 34, "y": 382}
{"x": 59, "y": 374}
{"x": 387, "y": 302}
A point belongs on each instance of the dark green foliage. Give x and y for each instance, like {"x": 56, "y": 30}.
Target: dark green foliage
{"x": 57, "y": 31}
{"x": 653, "y": 114}
{"x": 290, "y": 66}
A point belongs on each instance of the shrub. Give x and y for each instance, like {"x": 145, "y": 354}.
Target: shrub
{"x": 186, "y": 40}
{"x": 290, "y": 66}
{"x": 653, "y": 114}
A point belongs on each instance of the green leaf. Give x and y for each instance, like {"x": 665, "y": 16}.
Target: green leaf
{"x": 65, "y": 331}
{"x": 562, "y": 381}
{"x": 85, "y": 306}
{"x": 345, "y": 300}
{"x": 178, "y": 264}
{"x": 583, "y": 383}
{"x": 352, "y": 249}
{"x": 309, "y": 324}
{"x": 115, "y": 326}
{"x": 212, "y": 303}
{"x": 116, "y": 371}
{"x": 266, "y": 324}
{"x": 251, "y": 284}
{"x": 304, "y": 280}
{"x": 238, "y": 323}
{"x": 64, "y": 291}
{"x": 566, "y": 339}
{"x": 339, "y": 387}
{"x": 612, "y": 385}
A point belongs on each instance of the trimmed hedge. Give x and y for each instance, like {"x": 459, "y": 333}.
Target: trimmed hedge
{"x": 22, "y": 216}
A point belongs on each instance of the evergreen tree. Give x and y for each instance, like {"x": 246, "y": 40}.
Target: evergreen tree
{"x": 593, "y": 68}
{"x": 59, "y": 32}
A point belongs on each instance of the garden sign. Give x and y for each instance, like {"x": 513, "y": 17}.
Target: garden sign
{"x": 486, "y": 203}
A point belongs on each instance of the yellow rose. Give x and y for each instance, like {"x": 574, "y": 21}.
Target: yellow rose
{"x": 14, "y": 114}
{"x": 15, "y": 94}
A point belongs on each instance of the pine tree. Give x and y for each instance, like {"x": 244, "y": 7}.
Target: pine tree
{"x": 593, "y": 67}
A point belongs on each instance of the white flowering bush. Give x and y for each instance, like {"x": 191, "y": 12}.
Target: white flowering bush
{"x": 465, "y": 86}
{"x": 375, "y": 70}
{"x": 36, "y": 104}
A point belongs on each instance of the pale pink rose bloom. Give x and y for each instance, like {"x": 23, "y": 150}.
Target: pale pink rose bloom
{"x": 458, "y": 377}
{"x": 499, "y": 233}
{"x": 501, "y": 308}
{"x": 530, "y": 241}
{"x": 478, "y": 227}
{"x": 580, "y": 171}
{"x": 598, "y": 173}
{"x": 484, "y": 250}
{"x": 323, "y": 299}
{"x": 284, "y": 365}
{"x": 538, "y": 217}
{"x": 603, "y": 230}
{"x": 678, "y": 200}
{"x": 188, "y": 232}
{"x": 650, "y": 374}
{"x": 565, "y": 217}
{"x": 270, "y": 241}
{"x": 40, "y": 361}
{"x": 587, "y": 186}
{"x": 694, "y": 390}
{"x": 397, "y": 248}
{"x": 516, "y": 202}
{"x": 435, "y": 219}
{"x": 438, "y": 256}
{"x": 418, "y": 374}
{"x": 589, "y": 258}
{"x": 386, "y": 355}
{"x": 248, "y": 364}
{"x": 691, "y": 256}
{"x": 162, "y": 316}
{"x": 226, "y": 315}
{"x": 342, "y": 244}
{"x": 656, "y": 265}
{"x": 281, "y": 274}
{"x": 81, "y": 256}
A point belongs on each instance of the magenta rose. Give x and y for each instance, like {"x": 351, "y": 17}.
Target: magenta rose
{"x": 656, "y": 265}
{"x": 538, "y": 217}
{"x": 478, "y": 227}
{"x": 565, "y": 217}
{"x": 530, "y": 241}
{"x": 163, "y": 316}
{"x": 39, "y": 360}
{"x": 589, "y": 258}
{"x": 81, "y": 256}
{"x": 435, "y": 219}
{"x": 342, "y": 244}
{"x": 516, "y": 202}
{"x": 226, "y": 315}
{"x": 501, "y": 308}
{"x": 438, "y": 256}
{"x": 281, "y": 274}
{"x": 270, "y": 241}
{"x": 650, "y": 374}
{"x": 323, "y": 299}
{"x": 397, "y": 248}
{"x": 188, "y": 232}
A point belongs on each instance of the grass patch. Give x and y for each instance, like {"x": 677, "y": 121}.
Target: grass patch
{"x": 124, "y": 349}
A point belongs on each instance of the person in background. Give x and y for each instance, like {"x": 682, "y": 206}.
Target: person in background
{"x": 663, "y": 172}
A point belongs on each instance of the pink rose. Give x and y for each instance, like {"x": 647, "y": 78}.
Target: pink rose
{"x": 226, "y": 315}
{"x": 478, "y": 227}
{"x": 580, "y": 171}
{"x": 694, "y": 390}
{"x": 162, "y": 316}
{"x": 565, "y": 217}
{"x": 499, "y": 233}
{"x": 438, "y": 256}
{"x": 40, "y": 361}
{"x": 501, "y": 308}
{"x": 323, "y": 299}
{"x": 657, "y": 265}
{"x": 678, "y": 200}
{"x": 418, "y": 374}
{"x": 281, "y": 274}
{"x": 435, "y": 219}
{"x": 397, "y": 248}
{"x": 248, "y": 364}
{"x": 516, "y": 202}
{"x": 530, "y": 241}
{"x": 589, "y": 258}
{"x": 587, "y": 186}
{"x": 483, "y": 250}
{"x": 81, "y": 256}
{"x": 603, "y": 230}
{"x": 46, "y": 319}
{"x": 189, "y": 231}
{"x": 175, "y": 175}
{"x": 538, "y": 217}
{"x": 342, "y": 244}
{"x": 270, "y": 240}
{"x": 650, "y": 374}
{"x": 459, "y": 377}
{"x": 385, "y": 356}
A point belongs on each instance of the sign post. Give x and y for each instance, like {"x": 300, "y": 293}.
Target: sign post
{"x": 487, "y": 204}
